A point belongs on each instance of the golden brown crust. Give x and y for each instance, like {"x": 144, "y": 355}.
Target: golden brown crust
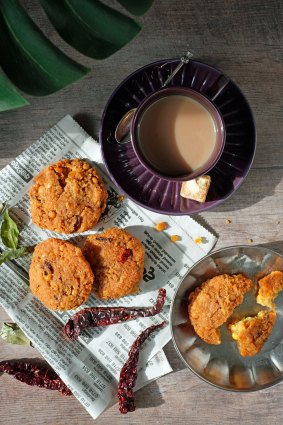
{"x": 213, "y": 302}
{"x": 269, "y": 287}
{"x": 67, "y": 197}
{"x": 117, "y": 261}
{"x": 60, "y": 276}
{"x": 251, "y": 333}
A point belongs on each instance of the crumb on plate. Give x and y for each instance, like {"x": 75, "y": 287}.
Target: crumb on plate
{"x": 161, "y": 226}
{"x": 175, "y": 238}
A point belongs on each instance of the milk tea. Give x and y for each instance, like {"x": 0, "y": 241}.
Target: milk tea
{"x": 176, "y": 135}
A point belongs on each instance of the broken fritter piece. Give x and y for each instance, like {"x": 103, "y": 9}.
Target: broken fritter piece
{"x": 251, "y": 333}
{"x": 213, "y": 302}
{"x": 268, "y": 288}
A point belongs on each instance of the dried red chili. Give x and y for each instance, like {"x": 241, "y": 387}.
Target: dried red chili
{"x": 129, "y": 373}
{"x": 104, "y": 316}
{"x": 125, "y": 255}
{"x": 35, "y": 375}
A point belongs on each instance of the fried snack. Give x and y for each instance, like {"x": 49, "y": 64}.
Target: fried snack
{"x": 269, "y": 288}
{"x": 196, "y": 189}
{"x": 68, "y": 197}
{"x": 117, "y": 261}
{"x": 251, "y": 333}
{"x": 60, "y": 276}
{"x": 213, "y": 302}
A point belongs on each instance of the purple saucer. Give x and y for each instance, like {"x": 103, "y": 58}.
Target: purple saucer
{"x": 158, "y": 194}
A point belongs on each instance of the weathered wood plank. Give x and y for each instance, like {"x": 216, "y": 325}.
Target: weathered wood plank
{"x": 244, "y": 39}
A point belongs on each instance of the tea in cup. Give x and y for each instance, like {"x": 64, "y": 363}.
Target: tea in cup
{"x": 178, "y": 134}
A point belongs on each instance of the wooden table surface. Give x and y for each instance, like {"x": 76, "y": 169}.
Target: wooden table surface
{"x": 244, "y": 39}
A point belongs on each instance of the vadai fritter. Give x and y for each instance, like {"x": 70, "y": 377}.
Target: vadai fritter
{"x": 60, "y": 276}
{"x": 213, "y": 302}
{"x": 251, "y": 333}
{"x": 117, "y": 260}
{"x": 67, "y": 197}
{"x": 269, "y": 288}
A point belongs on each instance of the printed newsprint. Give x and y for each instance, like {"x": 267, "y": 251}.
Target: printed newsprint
{"x": 91, "y": 366}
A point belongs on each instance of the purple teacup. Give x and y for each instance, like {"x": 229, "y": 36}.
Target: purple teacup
{"x": 178, "y": 134}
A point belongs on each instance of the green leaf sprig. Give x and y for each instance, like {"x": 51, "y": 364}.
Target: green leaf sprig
{"x": 11, "y": 254}
{"x": 9, "y": 233}
{"x": 13, "y": 334}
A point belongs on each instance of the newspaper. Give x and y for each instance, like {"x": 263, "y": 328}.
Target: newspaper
{"x": 91, "y": 366}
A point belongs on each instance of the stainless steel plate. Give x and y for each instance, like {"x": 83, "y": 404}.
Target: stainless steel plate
{"x": 222, "y": 365}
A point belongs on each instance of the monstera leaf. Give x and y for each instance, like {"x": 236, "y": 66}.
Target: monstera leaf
{"x": 9, "y": 97}
{"x": 37, "y": 66}
{"x": 30, "y": 60}
{"x": 91, "y": 27}
{"x": 136, "y": 7}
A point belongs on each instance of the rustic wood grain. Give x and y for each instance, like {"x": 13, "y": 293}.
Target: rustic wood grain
{"x": 244, "y": 39}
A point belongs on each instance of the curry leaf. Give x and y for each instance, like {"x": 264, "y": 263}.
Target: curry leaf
{"x": 11, "y": 254}
{"x": 10, "y": 98}
{"x": 13, "y": 334}
{"x": 136, "y": 7}
{"x": 29, "y": 59}
{"x": 9, "y": 231}
{"x": 90, "y": 26}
